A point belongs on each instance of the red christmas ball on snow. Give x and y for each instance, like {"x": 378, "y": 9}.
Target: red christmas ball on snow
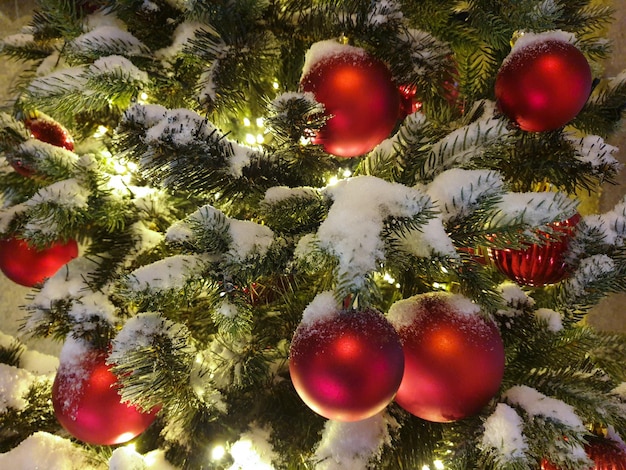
{"x": 358, "y": 94}
{"x": 347, "y": 365}
{"x": 606, "y": 454}
{"x": 538, "y": 265}
{"x": 48, "y": 130}
{"x": 29, "y": 266}
{"x": 88, "y": 405}
{"x": 543, "y": 83}
{"x": 453, "y": 356}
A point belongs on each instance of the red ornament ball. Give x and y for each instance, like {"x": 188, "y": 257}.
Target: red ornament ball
{"x": 606, "y": 454}
{"x": 347, "y": 365}
{"x": 88, "y": 405}
{"x": 359, "y": 96}
{"x": 48, "y": 130}
{"x": 29, "y": 266}
{"x": 543, "y": 83}
{"x": 538, "y": 265}
{"x": 453, "y": 356}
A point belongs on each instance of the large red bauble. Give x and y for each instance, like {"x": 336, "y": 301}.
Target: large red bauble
{"x": 346, "y": 366}
{"x": 48, "y": 130}
{"x": 28, "y": 266}
{"x": 88, "y": 405}
{"x": 538, "y": 265}
{"x": 359, "y": 96}
{"x": 453, "y": 356}
{"x": 543, "y": 85}
{"x": 605, "y": 453}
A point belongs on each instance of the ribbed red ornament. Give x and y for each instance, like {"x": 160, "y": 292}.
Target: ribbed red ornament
{"x": 454, "y": 356}
{"x": 606, "y": 454}
{"x": 538, "y": 265}
{"x": 88, "y": 405}
{"x": 360, "y": 98}
{"x": 347, "y": 366}
{"x": 543, "y": 85}
{"x": 28, "y": 266}
{"x": 50, "y": 131}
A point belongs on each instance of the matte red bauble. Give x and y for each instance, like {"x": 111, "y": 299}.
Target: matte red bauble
{"x": 346, "y": 366}
{"x": 88, "y": 405}
{"x": 544, "y": 84}
{"x": 605, "y": 453}
{"x": 28, "y": 266}
{"x": 359, "y": 96}
{"x": 48, "y": 130}
{"x": 453, "y": 356}
{"x": 538, "y": 265}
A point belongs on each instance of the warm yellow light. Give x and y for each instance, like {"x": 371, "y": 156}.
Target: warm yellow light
{"x": 247, "y": 122}
{"x": 275, "y": 85}
{"x": 333, "y": 181}
{"x": 218, "y": 452}
{"x": 250, "y": 139}
{"x": 347, "y": 173}
{"x": 387, "y": 277}
{"x": 102, "y": 130}
{"x": 260, "y": 122}
{"x": 143, "y": 97}
{"x": 425, "y": 467}
{"x": 438, "y": 464}
{"x": 260, "y": 138}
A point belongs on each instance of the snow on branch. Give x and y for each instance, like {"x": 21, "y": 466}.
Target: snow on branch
{"x": 188, "y": 134}
{"x": 593, "y": 150}
{"x": 107, "y": 40}
{"x": 353, "y": 444}
{"x": 465, "y": 143}
{"x": 360, "y": 208}
{"x": 503, "y": 435}
{"x": 168, "y": 274}
{"x": 211, "y": 231}
{"x": 456, "y": 192}
{"x": 533, "y": 209}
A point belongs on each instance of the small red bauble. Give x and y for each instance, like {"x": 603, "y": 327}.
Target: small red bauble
{"x": 47, "y": 130}
{"x": 359, "y": 96}
{"x": 346, "y": 366}
{"x": 538, "y": 265}
{"x": 543, "y": 83}
{"x": 605, "y": 453}
{"x": 28, "y": 266}
{"x": 88, "y": 405}
{"x": 453, "y": 356}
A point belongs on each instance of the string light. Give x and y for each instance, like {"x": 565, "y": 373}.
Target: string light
{"x": 218, "y": 452}
{"x": 438, "y": 464}
{"x": 100, "y": 131}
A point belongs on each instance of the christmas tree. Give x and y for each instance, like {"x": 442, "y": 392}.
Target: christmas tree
{"x": 312, "y": 234}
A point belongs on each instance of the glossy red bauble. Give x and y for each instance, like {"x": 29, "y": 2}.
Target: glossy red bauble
{"x": 346, "y": 366}
{"x": 453, "y": 356}
{"x": 606, "y": 454}
{"x": 359, "y": 96}
{"x": 28, "y": 266}
{"x": 50, "y": 131}
{"x": 88, "y": 405}
{"x": 538, "y": 265}
{"x": 543, "y": 85}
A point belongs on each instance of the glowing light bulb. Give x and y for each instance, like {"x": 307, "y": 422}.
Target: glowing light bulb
{"x": 438, "y": 464}
{"x": 143, "y": 97}
{"x": 387, "y": 277}
{"x": 333, "y": 181}
{"x": 247, "y": 122}
{"x": 347, "y": 173}
{"x": 260, "y": 138}
{"x": 218, "y": 452}
{"x": 250, "y": 139}
{"x": 260, "y": 122}
{"x": 275, "y": 85}
{"x": 425, "y": 467}
{"x": 100, "y": 131}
